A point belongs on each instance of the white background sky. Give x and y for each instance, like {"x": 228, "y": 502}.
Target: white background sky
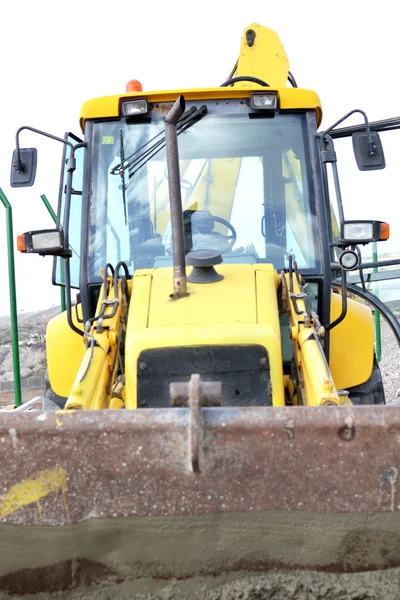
{"x": 55, "y": 55}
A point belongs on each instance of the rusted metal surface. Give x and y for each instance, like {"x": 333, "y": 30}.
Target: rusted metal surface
{"x": 194, "y": 395}
{"x": 138, "y": 463}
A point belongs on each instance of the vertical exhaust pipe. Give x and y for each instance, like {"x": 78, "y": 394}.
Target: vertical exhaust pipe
{"x": 175, "y": 200}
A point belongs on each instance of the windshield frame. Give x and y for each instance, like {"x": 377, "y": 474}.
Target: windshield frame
{"x": 271, "y": 241}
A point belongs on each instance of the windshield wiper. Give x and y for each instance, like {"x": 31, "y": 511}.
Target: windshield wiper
{"x": 187, "y": 114}
{"x": 140, "y": 158}
{"x": 122, "y": 171}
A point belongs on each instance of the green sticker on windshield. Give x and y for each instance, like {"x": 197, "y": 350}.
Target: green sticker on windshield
{"x": 107, "y": 139}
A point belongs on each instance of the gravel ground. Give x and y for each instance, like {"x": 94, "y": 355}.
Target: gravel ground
{"x": 278, "y": 585}
{"x": 7, "y": 398}
{"x": 390, "y": 364}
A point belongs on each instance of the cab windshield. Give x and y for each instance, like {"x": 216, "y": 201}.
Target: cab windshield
{"x": 244, "y": 182}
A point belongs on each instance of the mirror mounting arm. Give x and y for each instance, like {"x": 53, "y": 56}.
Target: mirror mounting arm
{"x": 18, "y": 165}
{"x": 371, "y": 144}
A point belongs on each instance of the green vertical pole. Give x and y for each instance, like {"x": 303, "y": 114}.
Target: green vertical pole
{"x": 377, "y": 313}
{"x": 13, "y": 299}
{"x": 54, "y": 217}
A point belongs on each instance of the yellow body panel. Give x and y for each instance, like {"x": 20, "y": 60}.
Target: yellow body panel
{"x": 289, "y": 99}
{"x": 352, "y": 344}
{"x": 231, "y": 300}
{"x": 266, "y": 59}
{"x": 65, "y": 350}
{"x": 240, "y": 309}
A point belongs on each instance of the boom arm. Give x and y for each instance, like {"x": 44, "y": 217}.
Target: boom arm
{"x": 262, "y": 56}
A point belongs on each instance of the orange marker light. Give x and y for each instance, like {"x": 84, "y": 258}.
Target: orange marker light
{"x": 134, "y": 86}
{"x": 384, "y": 231}
{"x": 21, "y": 243}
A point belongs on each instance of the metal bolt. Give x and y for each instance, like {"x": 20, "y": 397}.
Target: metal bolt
{"x": 143, "y": 403}
{"x": 142, "y": 366}
{"x": 263, "y": 361}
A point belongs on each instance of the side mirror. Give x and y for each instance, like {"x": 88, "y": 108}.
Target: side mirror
{"x": 368, "y": 153}
{"x": 23, "y": 167}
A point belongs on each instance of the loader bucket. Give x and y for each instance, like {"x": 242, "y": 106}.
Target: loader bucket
{"x": 90, "y": 497}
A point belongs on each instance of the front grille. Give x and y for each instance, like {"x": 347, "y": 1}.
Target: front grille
{"x": 243, "y": 371}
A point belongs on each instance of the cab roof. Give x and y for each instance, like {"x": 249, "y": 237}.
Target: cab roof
{"x": 289, "y": 99}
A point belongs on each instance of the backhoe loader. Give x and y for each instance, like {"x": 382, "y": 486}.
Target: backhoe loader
{"x": 213, "y": 402}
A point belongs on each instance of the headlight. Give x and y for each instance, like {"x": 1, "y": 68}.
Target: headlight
{"x": 44, "y": 242}
{"x": 264, "y": 101}
{"x": 358, "y": 231}
{"x": 132, "y": 108}
{"x": 348, "y": 260}
{"x": 363, "y": 232}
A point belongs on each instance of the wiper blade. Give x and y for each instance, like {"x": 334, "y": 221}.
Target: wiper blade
{"x": 122, "y": 171}
{"x": 185, "y": 116}
{"x": 140, "y": 161}
{"x": 188, "y": 119}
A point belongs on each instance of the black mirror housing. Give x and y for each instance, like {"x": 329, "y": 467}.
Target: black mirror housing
{"x": 23, "y": 167}
{"x": 368, "y": 152}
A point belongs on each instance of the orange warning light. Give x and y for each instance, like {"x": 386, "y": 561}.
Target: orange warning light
{"x": 134, "y": 86}
{"x": 21, "y": 243}
{"x": 384, "y": 231}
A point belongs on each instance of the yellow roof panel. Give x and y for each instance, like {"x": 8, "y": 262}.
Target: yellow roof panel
{"x": 289, "y": 99}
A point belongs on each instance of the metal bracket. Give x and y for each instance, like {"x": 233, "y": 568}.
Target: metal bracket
{"x": 328, "y": 156}
{"x": 194, "y": 395}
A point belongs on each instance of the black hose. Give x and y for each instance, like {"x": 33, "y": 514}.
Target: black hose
{"x": 229, "y": 82}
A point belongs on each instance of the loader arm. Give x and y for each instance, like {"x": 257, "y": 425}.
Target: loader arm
{"x": 96, "y": 385}
{"x": 314, "y": 380}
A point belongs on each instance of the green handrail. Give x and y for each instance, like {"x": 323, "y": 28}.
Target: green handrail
{"x": 54, "y": 217}
{"x": 13, "y": 299}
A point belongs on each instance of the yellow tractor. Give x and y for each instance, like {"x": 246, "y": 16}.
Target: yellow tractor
{"x": 202, "y": 412}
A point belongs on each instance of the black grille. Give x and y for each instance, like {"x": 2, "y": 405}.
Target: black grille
{"x": 243, "y": 371}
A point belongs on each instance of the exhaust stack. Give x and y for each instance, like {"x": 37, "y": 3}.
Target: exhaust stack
{"x": 174, "y": 186}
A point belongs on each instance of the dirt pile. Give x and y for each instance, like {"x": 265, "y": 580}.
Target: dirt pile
{"x": 32, "y": 347}
{"x": 389, "y": 364}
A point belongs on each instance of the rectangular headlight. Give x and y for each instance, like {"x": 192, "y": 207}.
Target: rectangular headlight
{"x": 363, "y": 232}
{"x": 358, "y": 231}
{"x": 132, "y": 108}
{"x": 264, "y": 101}
{"x": 44, "y": 242}
{"x": 47, "y": 240}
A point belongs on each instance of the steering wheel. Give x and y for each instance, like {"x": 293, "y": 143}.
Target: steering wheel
{"x": 231, "y": 238}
